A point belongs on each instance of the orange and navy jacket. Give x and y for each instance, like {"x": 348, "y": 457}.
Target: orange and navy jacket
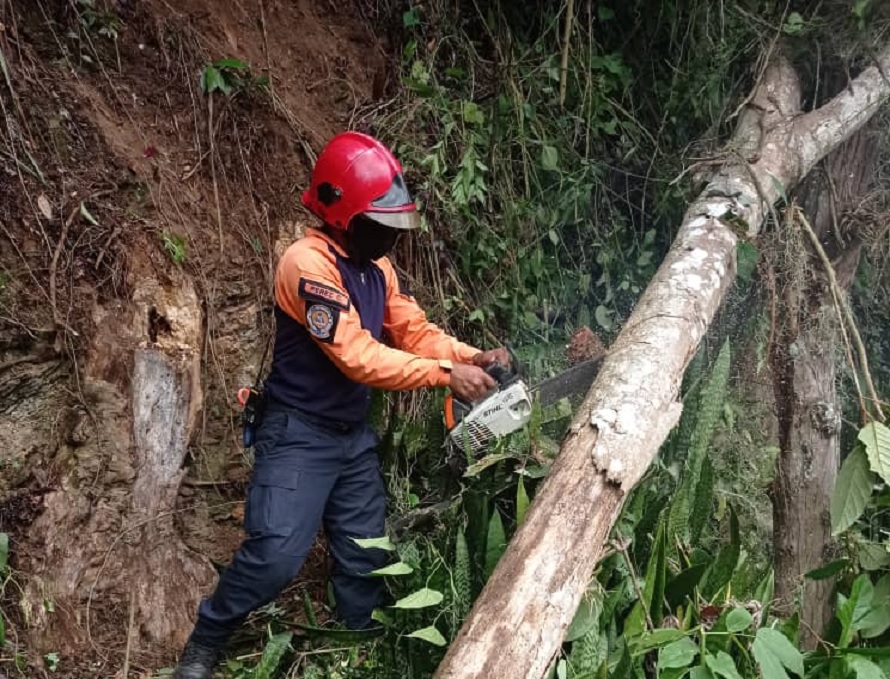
{"x": 332, "y": 318}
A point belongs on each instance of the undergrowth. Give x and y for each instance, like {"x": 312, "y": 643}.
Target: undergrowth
{"x": 549, "y": 195}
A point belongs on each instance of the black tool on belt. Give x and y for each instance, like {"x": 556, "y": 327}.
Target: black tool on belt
{"x": 253, "y": 404}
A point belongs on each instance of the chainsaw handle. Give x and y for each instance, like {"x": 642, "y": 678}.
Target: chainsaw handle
{"x": 501, "y": 374}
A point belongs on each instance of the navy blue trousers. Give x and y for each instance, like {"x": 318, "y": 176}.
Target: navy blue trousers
{"x": 305, "y": 475}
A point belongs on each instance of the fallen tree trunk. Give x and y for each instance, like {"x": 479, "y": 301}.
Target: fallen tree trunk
{"x": 518, "y": 622}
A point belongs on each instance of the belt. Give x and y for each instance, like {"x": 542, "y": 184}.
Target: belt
{"x": 273, "y": 406}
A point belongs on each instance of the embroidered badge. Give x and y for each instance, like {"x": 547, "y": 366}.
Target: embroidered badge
{"x": 322, "y": 321}
{"x": 319, "y": 292}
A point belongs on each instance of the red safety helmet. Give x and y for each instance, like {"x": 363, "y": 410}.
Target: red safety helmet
{"x": 357, "y": 175}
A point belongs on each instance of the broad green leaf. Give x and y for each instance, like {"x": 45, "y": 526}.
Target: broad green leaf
{"x": 680, "y": 653}
{"x": 381, "y": 617}
{"x": 794, "y": 24}
{"x": 656, "y": 639}
{"x": 653, "y": 588}
{"x": 588, "y": 655}
{"x": 549, "y": 158}
{"x": 657, "y": 576}
{"x": 877, "y": 620}
{"x": 700, "y": 673}
{"x": 738, "y": 620}
{"x": 683, "y": 585}
{"x": 701, "y": 505}
{"x": 410, "y": 18}
{"x": 790, "y": 628}
{"x": 521, "y": 502}
{"x": 224, "y": 85}
{"x": 273, "y": 654}
{"x": 232, "y": 64}
{"x": 722, "y": 664}
{"x": 862, "y": 668}
{"x": 837, "y": 669}
{"x": 472, "y": 114}
{"x": 397, "y": 568}
{"x": 864, "y": 602}
{"x": 603, "y": 317}
{"x": 851, "y": 491}
{"x": 774, "y": 654}
{"x": 680, "y": 509}
{"x": 623, "y": 668}
{"x": 672, "y": 673}
{"x": 495, "y": 543}
{"x": 876, "y": 437}
{"x": 765, "y": 590}
{"x": 461, "y": 576}
{"x": 211, "y": 80}
{"x": 873, "y": 556}
{"x": 430, "y": 634}
{"x": 586, "y": 618}
{"x": 4, "y": 551}
{"x": 851, "y": 611}
{"x": 485, "y": 463}
{"x": 422, "y": 598}
{"x": 375, "y": 543}
{"x": 828, "y": 570}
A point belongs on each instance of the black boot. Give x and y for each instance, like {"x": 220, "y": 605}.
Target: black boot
{"x": 196, "y": 662}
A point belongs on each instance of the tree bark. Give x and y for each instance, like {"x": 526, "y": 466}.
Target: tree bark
{"x": 519, "y": 620}
{"x": 804, "y": 359}
{"x": 119, "y": 551}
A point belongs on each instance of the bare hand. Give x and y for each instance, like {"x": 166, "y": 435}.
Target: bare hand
{"x": 470, "y": 382}
{"x": 486, "y": 358}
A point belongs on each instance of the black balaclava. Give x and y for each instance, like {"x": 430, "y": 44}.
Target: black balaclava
{"x": 367, "y": 240}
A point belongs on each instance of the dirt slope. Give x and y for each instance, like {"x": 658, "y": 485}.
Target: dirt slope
{"x": 139, "y": 222}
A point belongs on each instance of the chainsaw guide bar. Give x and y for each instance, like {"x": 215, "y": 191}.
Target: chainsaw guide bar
{"x": 575, "y": 380}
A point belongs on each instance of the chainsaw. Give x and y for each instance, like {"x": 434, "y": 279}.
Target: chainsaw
{"x": 474, "y": 427}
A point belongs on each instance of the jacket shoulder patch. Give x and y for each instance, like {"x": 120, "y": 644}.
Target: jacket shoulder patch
{"x": 321, "y": 321}
{"x": 319, "y": 292}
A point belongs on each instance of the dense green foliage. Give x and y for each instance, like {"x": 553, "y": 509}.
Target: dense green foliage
{"x": 549, "y": 197}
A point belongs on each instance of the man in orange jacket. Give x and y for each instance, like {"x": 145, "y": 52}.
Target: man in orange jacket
{"x": 337, "y": 300}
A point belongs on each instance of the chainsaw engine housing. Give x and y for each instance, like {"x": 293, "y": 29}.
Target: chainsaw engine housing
{"x": 476, "y": 426}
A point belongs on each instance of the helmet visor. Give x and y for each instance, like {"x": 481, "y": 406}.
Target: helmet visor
{"x": 405, "y": 220}
{"x": 395, "y": 208}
